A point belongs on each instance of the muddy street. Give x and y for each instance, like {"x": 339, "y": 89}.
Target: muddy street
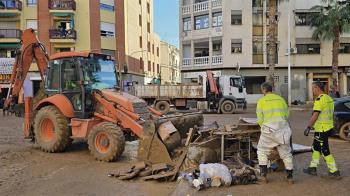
{"x": 25, "y": 170}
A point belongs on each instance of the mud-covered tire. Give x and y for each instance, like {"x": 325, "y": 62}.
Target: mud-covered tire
{"x": 51, "y": 129}
{"x": 344, "y": 132}
{"x": 228, "y": 107}
{"x": 163, "y": 106}
{"x": 106, "y": 142}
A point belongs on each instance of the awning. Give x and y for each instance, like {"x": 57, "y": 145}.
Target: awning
{"x": 10, "y": 45}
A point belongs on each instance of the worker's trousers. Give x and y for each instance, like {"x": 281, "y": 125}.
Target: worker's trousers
{"x": 320, "y": 147}
{"x": 276, "y": 135}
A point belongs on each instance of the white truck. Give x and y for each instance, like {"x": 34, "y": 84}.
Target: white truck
{"x": 225, "y": 94}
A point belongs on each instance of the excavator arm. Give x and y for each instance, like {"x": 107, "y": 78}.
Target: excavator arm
{"x": 31, "y": 49}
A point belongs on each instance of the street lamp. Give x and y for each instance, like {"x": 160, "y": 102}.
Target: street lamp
{"x": 289, "y": 63}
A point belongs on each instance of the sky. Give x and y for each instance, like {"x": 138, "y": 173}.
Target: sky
{"x": 166, "y": 20}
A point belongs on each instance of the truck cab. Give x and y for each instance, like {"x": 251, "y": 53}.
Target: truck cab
{"x": 232, "y": 89}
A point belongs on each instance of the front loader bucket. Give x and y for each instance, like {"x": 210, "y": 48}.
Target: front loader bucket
{"x": 151, "y": 148}
{"x": 183, "y": 121}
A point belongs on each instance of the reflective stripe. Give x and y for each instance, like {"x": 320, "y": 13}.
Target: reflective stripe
{"x": 331, "y": 163}
{"x": 315, "y": 161}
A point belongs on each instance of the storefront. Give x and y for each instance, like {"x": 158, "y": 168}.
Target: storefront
{"x": 6, "y": 66}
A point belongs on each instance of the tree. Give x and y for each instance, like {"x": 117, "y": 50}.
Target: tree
{"x": 329, "y": 21}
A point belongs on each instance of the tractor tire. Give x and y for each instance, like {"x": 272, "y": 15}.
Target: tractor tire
{"x": 228, "y": 107}
{"x": 344, "y": 132}
{"x": 106, "y": 142}
{"x": 163, "y": 107}
{"x": 51, "y": 129}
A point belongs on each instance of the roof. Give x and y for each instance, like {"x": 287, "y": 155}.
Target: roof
{"x": 60, "y": 55}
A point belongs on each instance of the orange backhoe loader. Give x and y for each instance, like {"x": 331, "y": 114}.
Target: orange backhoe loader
{"x": 79, "y": 99}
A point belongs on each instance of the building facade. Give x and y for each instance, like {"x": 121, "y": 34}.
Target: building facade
{"x": 169, "y": 64}
{"x": 122, "y": 29}
{"x": 230, "y": 36}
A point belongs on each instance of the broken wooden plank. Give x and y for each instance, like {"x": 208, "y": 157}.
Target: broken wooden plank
{"x": 179, "y": 163}
{"x": 189, "y": 136}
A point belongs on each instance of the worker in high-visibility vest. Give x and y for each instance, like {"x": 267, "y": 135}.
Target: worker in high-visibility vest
{"x": 322, "y": 122}
{"x": 272, "y": 113}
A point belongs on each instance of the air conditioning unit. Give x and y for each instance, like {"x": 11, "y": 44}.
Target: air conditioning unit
{"x": 292, "y": 51}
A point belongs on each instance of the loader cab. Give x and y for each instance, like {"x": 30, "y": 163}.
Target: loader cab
{"x": 76, "y": 76}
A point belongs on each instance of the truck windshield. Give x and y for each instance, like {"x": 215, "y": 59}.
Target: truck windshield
{"x": 237, "y": 82}
{"x": 99, "y": 73}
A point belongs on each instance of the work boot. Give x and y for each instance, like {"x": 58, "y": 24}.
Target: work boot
{"x": 263, "y": 173}
{"x": 311, "y": 171}
{"x": 332, "y": 176}
{"x": 290, "y": 176}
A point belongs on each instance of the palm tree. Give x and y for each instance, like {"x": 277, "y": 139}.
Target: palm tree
{"x": 330, "y": 21}
{"x": 272, "y": 38}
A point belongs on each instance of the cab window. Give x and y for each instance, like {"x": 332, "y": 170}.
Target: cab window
{"x": 53, "y": 80}
{"x": 70, "y": 75}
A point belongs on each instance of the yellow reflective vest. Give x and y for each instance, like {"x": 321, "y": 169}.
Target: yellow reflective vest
{"x": 325, "y": 106}
{"x": 271, "y": 108}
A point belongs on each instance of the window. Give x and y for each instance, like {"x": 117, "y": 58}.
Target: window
{"x": 106, "y": 7}
{"x": 64, "y": 49}
{"x": 140, "y": 39}
{"x": 149, "y": 65}
{"x": 157, "y": 51}
{"x": 109, "y": 52}
{"x": 149, "y": 46}
{"x": 302, "y": 19}
{"x": 158, "y": 68}
{"x": 31, "y": 2}
{"x": 347, "y": 104}
{"x": 107, "y": 29}
{"x": 236, "y": 17}
{"x": 187, "y": 24}
{"x": 308, "y": 48}
{"x": 141, "y": 63}
{"x": 258, "y": 52}
{"x": 217, "y": 19}
{"x": 70, "y": 76}
{"x": 54, "y": 75}
{"x": 236, "y": 46}
{"x": 152, "y": 48}
{"x": 286, "y": 79}
{"x": 148, "y": 27}
{"x": 153, "y": 68}
{"x": 140, "y": 20}
{"x": 258, "y": 19}
{"x": 253, "y": 83}
{"x": 344, "y": 48}
{"x": 148, "y": 8}
{"x": 202, "y": 22}
{"x": 32, "y": 24}
{"x": 140, "y": 2}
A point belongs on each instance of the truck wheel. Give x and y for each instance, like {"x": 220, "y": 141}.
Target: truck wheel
{"x": 163, "y": 106}
{"x": 344, "y": 132}
{"x": 228, "y": 107}
{"x": 51, "y": 130}
{"x": 106, "y": 142}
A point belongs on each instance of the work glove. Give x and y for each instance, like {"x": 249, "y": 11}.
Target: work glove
{"x": 307, "y": 131}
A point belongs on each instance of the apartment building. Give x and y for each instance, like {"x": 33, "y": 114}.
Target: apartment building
{"x": 230, "y": 36}
{"x": 169, "y": 64}
{"x": 122, "y": 29}
{"x": 137, "y": 40}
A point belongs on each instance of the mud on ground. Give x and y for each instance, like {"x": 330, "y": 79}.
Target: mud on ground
{"x": 25, "y": 170}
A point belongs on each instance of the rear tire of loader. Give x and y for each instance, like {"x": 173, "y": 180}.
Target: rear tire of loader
{"x": 163, "y": 106}
{"x": 106, "y": 142}
{"x": 51, "y": 130}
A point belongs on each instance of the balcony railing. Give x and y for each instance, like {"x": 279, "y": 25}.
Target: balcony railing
{"x": 59, "y": 34}
{"x": 217, "y": 60}
{"x": 201, "y": 61}
{"x": 10, "y": 33}
{"x": 186, "y": 9}
{"x": 186, "y": 62}
{"x": 199, "y": 7}
{"x": 216, "y": 3}
{"x": 11, "y": 4}
{"x": 62, "y": 5}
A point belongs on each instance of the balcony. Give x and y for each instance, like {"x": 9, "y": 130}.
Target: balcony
{"x": 62, "y": 6}
{"x": 202, "y": 62}
{"x": 10, "y": 7}
{"x": 10, "y": 35}
{"x": 65, "y": 36}
{"x": 200, "y": 7}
